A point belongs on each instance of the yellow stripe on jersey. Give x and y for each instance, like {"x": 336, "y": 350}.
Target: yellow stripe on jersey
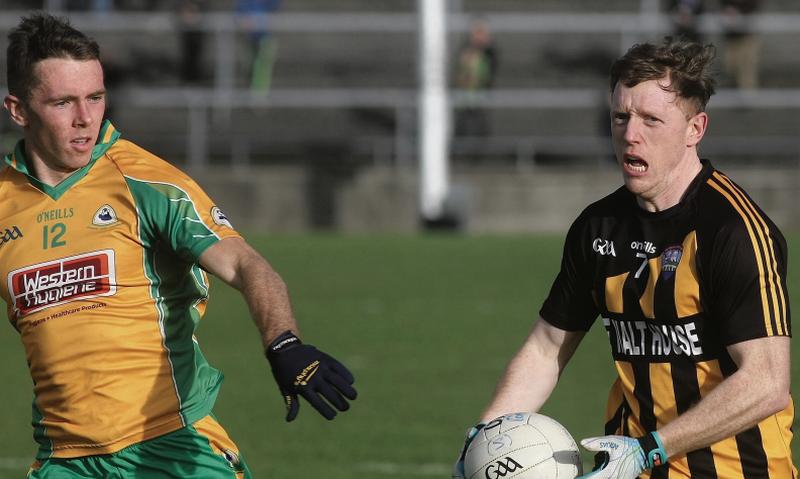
{"x": 779, "y": 426}
{"x": 647, "y": 300}
{"x": 628, "y": 381}
{"x": 679, "y": 468}
{"x": 726, "y": 458}
{"x": 756, "y": 249}
{"x": 709, "y": 375}
{"x": 766, "y": 241}
{"x": 665, "y": 407}
{"x": 687, "y": 284}
{"x": 109, "y": 133}
{"x": 614, "y": 403}
{"x": 614, "y": 285}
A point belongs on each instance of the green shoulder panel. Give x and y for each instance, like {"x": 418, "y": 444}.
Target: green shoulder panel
{"x": 167, "y": 212}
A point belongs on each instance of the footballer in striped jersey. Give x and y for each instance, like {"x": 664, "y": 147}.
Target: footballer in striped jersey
{"x": 688, "y": 276}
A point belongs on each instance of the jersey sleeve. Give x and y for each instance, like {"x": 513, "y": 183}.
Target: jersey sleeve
{"x": 747, "y": 271}
{"x": 181, "y": 214}
{"x": 570, "y": 305}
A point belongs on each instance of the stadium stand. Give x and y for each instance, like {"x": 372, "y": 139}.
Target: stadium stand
{"x": 340, "y": 60}
{"x": 343, "y": 98}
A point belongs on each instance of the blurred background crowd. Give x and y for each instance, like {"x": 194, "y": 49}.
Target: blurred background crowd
{"x": 302, "y": 115}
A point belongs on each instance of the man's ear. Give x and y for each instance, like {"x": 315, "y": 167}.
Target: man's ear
{"x": 696, "y": 128}
{"x": 16, "y": 109}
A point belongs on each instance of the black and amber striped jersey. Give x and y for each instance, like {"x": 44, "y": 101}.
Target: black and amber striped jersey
{"x": 675, "y": 288}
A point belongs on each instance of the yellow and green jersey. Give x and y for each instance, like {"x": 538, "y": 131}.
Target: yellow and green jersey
{"x": 102, "y": 283}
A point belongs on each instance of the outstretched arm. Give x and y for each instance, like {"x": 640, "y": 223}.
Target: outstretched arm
{"x": 299, "y": 369}
{"x": 239, "y": 265}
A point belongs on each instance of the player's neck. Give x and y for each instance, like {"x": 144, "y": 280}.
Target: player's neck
{"x": 674, "y": 187}
{"x": 49, "y": 173}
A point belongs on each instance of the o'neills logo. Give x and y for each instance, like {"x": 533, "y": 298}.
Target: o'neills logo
{"x": 43, "y": 285}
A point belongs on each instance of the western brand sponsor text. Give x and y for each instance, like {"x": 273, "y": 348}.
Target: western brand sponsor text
{"x": 41, "y": 286}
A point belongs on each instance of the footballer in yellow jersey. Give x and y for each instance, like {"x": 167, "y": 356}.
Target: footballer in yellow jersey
{"x": 104, "y": 253}
{"x": 105, "y": 313}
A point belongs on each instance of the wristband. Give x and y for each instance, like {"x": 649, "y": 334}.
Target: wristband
{"x": 285, "y": 340}
{"x": 653, "y": 449}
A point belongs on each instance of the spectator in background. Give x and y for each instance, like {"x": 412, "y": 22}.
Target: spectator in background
{"x": 192, "y": 40}
{"x": 742, "y": 44}
{"x": 476, "y": 69}
{"x": 254, "y": 18}
{"x": 684, "y": 14}
{"x": 95, "y": 6}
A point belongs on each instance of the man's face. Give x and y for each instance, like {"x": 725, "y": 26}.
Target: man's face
{"x": 654, "y": 135}
{"x": 63, "y": 115}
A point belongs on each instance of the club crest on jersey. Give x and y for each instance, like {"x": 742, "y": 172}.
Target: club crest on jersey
{"x": 105, "y": 216}
{"x": 219, "y": 217}
{"x": 670, "y": 259}
{"x": 232, "y": 458}
{"x": 40, "y": 286}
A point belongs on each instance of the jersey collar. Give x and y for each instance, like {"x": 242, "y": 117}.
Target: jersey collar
{"x": 705, "y": 172}
{"x": 107, "y": 137}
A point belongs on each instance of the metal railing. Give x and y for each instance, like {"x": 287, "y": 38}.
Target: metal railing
{"x": 201, "y": 103}
{"x": 223, "y": 95}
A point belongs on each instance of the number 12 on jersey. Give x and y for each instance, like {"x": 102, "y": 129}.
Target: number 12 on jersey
{"x": 52, "y": 234}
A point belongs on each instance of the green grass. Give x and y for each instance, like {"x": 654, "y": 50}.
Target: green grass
{"x": 426, "y": 324}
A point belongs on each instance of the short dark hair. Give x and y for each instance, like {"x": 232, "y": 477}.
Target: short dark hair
{"x": 687, "y": 64}
{"x": 37, "y": 37}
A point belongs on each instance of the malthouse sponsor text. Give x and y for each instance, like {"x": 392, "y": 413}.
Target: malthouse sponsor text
{"x": 43, "y": 285}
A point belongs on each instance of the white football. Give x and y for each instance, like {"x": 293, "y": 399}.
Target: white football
{"x": 523, "y": 446}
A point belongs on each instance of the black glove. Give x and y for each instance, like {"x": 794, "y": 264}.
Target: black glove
{"x": 303, "y": 369}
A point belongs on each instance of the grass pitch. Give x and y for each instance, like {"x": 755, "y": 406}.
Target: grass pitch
{"x": 425, "y": 323}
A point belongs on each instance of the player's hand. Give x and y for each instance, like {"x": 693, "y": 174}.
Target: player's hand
{"x": 458, "y": 467}
{"x": 624, "y": 457}
{"x": 302, "y": 369}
